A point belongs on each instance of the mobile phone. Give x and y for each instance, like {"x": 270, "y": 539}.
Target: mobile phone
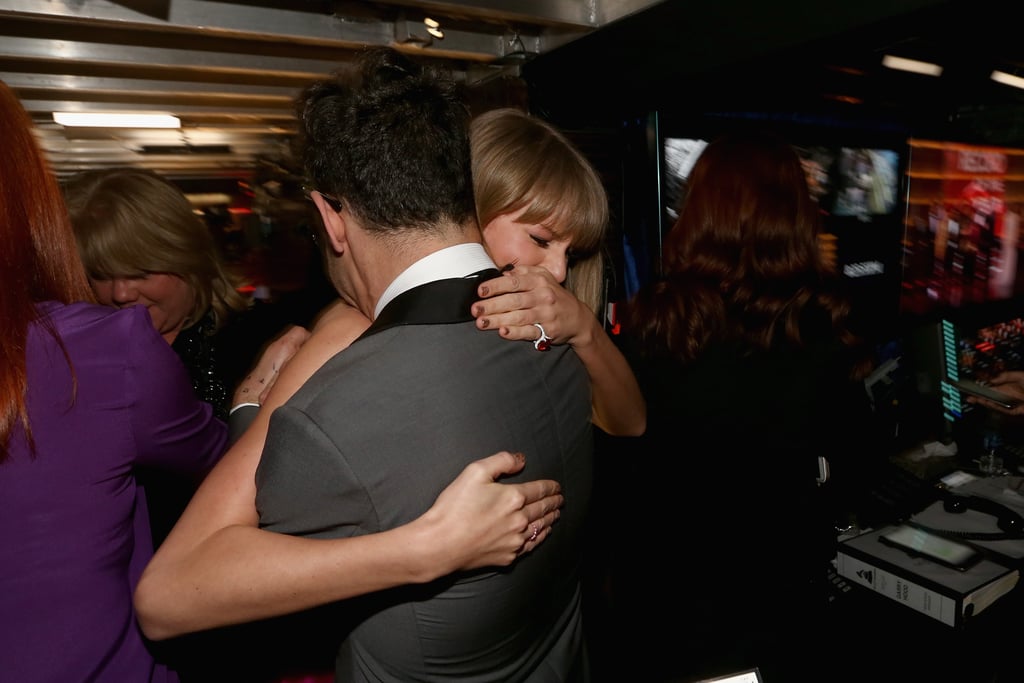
{"x": 994, "y": 395}
{"x": 922, "y": 543}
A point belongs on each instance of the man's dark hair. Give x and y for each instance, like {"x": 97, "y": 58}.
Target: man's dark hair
{"x": 389, "y": 137}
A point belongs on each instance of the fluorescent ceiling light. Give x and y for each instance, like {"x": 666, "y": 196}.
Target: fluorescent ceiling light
{"x": 1007, "y": 79}
{"x": 926, "y": 68}
{"x": 201, "y": 199}
{"x": 116, "y": 120}
{"x": 434, "y": 28}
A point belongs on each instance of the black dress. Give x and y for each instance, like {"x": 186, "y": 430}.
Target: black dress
{"x": 719, "y": 559}
{"x": 216, "y": 359}
{"x": 198, "y": 347}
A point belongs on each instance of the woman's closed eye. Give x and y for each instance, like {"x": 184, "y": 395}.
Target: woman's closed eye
{"x": 128, "y": 276}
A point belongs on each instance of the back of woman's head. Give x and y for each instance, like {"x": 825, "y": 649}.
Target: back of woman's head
{"x": 742, "y": 262}
{"x": 38, "y": 259}
{"x": 747, "y": 215}
{"x": 523, "y": 162}
{"x": 131, "y": 221}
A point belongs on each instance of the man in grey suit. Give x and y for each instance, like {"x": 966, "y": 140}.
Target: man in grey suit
{"x": 374, "y": 436}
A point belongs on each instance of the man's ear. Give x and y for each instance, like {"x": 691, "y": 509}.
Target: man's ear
{"x": 334, "y": 224}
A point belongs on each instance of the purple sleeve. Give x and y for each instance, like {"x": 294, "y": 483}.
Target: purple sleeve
{"x": 174, "y": 430}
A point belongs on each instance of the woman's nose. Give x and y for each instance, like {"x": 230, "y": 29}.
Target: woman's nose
{"x": 558, "y": 265}
{"x": 123, "y": 291}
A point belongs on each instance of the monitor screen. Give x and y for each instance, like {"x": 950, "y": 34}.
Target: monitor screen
{"x": 679, "y": 155}
{"x": 857, "y": 190}
{"x": 852, "y": 181}
{"x": 962, "y": 239}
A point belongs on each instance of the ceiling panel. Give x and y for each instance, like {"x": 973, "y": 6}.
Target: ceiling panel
{"x": 230, "y": 70}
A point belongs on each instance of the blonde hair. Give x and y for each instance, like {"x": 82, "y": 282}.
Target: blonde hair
{"x": 522, "y": 161}
{"x": 131, "y": 221}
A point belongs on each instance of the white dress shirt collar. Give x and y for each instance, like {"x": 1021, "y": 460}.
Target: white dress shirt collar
{"x": 458, "y": 261}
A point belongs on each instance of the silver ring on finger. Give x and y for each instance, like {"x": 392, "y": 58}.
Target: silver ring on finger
{"x": 543, "y": 342}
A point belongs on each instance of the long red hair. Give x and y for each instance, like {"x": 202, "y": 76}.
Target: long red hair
{"x": 38, "y": 257}
{"x": 742, "y": 263}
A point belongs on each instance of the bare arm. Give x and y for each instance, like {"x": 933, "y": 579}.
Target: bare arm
{"x": 527, "y": 295}
{"x": 241, "y": 573}
{"x": 337, "y": 326}
{"x": 217, "y": 567}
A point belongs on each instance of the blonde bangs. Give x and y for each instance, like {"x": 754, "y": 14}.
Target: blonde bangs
{"x": 572, "y": 204}
{"x": 110, "y": 249}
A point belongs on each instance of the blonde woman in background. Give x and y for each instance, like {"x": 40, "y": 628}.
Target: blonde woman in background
{"x": 142, "y": 244}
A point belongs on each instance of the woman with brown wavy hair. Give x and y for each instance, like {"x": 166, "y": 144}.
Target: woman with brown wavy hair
{"x": 745, "y": 355}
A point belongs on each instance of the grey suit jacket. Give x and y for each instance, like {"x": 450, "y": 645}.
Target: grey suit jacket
{"x": 372, "y": 439}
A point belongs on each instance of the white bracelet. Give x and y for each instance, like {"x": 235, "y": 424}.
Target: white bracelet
{"x": 243, "y": 405}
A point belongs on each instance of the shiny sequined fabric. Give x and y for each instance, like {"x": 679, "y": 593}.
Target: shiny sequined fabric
{"x": 197, "y": 349}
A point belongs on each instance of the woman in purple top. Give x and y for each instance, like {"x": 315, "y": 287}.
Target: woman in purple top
{"x": 88, "y": 395}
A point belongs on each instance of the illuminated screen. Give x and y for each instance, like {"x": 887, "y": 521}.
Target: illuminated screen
{"x": 680, "y": 154}
{"x": 962, "y": 241}
{"x": 852, "y": 181}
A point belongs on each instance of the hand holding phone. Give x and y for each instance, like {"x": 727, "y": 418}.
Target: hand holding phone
{"x": 982, "y": 391}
